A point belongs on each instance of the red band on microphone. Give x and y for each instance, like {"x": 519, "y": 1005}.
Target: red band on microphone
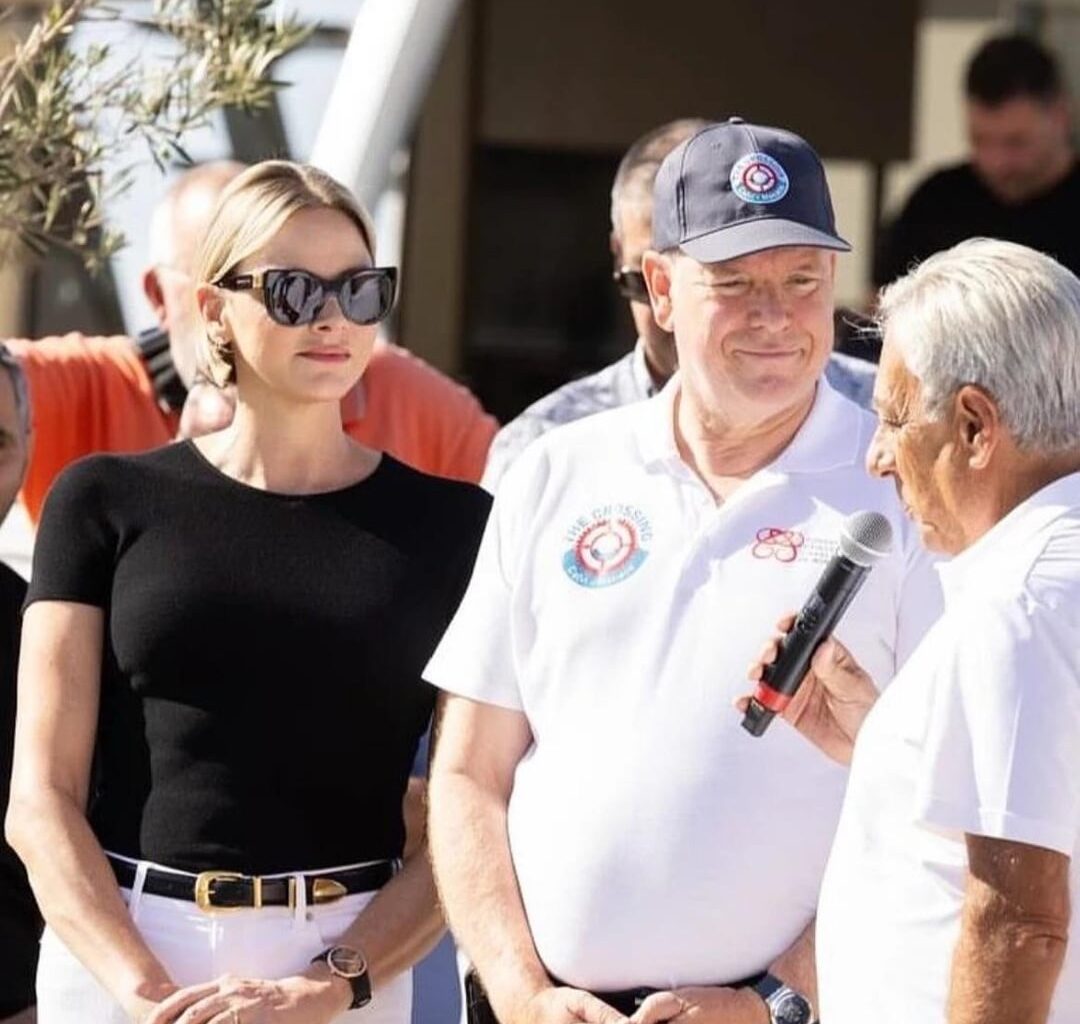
{"x": 772, "y": 699}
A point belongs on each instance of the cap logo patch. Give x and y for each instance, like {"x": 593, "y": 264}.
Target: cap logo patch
{"x": 758, "y": 178}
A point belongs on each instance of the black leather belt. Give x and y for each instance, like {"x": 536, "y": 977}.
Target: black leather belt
{"x": 230, "y": 890}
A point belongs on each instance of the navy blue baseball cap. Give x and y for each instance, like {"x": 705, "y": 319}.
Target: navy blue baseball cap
{"x": 736, "y": 188}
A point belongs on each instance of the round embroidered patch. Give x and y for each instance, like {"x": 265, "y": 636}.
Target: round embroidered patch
{"x": 607, "y": 547}
{"x": 758, "y": 178}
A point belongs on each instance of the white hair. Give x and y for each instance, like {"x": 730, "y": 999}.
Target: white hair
{"x": 1000, "y": 316}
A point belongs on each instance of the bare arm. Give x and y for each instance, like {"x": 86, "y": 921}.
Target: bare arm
{"x": 1013, "y": 933}
{"x": 478, "y": 746}
{"x": 403, "y": 922}
{"x": 797, "y": 968}
{"x": 59, "y": 689}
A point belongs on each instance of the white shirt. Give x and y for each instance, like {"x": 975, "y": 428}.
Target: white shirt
{"x": 619, "y": 607}
{"x": 624, "y": 381}
{"x": 980, "y": 734}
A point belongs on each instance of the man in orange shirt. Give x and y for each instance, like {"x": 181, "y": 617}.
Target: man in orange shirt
{"x": 104, "y": 394}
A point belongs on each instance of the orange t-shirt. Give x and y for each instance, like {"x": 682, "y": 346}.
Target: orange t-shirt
{"x": 94, "y": 395}
{"x": 406, "y": 407}
{"x": 86, "y": 395}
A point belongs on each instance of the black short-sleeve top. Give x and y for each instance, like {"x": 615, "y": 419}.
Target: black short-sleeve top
{"x": 261, "y": 692}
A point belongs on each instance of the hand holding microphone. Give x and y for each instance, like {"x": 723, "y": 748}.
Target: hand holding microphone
{"x": 835, "y": 695}
{"x": 839, "y": 692}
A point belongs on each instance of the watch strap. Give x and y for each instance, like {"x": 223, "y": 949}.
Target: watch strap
{"x": 359, "y": 983}
{"x": 766, "y": 985}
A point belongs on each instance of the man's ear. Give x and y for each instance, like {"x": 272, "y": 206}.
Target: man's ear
{"x": 657, "y": 269}
{"x": 155, "y": 296}
{"x": 979, "y": 426}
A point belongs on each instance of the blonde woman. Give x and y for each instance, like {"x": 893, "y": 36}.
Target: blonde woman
{"x": 220, "y": 693}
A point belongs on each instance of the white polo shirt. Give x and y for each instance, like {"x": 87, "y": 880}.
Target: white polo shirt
{"x": 619, "y": 607}
{"x": 979, "y": 734}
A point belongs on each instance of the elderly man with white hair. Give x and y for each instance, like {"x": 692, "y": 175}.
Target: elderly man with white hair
{"x": 947, "y": 895}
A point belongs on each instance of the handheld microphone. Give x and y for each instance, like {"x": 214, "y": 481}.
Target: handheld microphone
{"x": 865, "y": 538}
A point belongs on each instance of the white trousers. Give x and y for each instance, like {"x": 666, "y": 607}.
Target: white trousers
{"x": 271, "y": 942}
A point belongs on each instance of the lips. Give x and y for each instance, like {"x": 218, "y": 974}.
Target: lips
{"x": 767, "y": 353}
{"x": 325, "y": 355}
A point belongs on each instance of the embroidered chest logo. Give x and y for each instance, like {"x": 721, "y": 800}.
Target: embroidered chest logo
{"x": 607, "y": 545}
{"x": 774, "y": 542}
{"x": 783, "y": 545}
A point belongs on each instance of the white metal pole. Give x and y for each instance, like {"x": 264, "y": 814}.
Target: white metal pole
{"x": 389, "y": 61}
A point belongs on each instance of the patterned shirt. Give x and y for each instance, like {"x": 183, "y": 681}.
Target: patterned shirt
{"x": 624, "y": 381}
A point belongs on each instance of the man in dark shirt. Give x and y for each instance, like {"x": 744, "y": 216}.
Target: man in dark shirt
{"x": 20, "y": 924}
{"x": 1022, "y": 182}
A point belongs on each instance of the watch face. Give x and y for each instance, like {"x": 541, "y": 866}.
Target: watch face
{"x": 790, "y": 1008}
{"x": 346, "y": 961}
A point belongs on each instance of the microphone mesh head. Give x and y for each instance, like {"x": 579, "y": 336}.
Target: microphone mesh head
{"x": 865, "y": 537}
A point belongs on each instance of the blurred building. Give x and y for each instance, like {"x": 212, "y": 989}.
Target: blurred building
{"x": 498, "y": 200}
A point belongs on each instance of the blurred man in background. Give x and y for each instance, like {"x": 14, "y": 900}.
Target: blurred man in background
{"x": 1021, "y": 182}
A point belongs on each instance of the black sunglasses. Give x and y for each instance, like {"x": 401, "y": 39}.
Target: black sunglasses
{"x": 631, "y": 284}
{"x": 295, "y": 297}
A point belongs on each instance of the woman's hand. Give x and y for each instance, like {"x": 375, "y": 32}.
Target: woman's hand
{"x": 834, "y": 698}
{"x": 311, "y": 998}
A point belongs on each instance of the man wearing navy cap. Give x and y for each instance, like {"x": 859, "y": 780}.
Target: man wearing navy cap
{"x": 645, "y": 370}
{"x": 610, "y": 844}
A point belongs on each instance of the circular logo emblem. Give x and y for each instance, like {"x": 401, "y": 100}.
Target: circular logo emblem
{"x": 607, "y": 547}
{"x": 758, "y": 178}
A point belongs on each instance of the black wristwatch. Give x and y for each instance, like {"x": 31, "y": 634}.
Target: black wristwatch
{"x": 350, "y": 964}
{"x": 785, "y": 1005}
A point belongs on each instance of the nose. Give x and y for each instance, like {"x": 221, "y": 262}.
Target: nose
{"x": 880, "y": 461}
{"x": 768, "y": 309}
{"x": 329, "y": 314}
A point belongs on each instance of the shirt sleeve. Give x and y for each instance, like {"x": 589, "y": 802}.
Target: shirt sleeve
{"x": 453, "y": 429}
{"x": 469, "y": 436}
{"x": 421, "y": 417}
{"x": 86, "y": 395}
{"x": 1002, "y": 751}
{"x": 75, "y": 551}
{"x": 475, "y": 658}
{"x": 508, "y": 444}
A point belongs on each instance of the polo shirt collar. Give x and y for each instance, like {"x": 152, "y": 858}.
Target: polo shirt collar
{"x": 830, "y": 436}
{"x": 1003, "y": 556}
{"x": 639, "y": 370}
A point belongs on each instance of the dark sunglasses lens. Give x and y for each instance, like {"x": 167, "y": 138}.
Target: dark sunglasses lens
{"x": 293, "y": 297}
{"x": 366, "y": 298}
{"x": 631, "y": 285}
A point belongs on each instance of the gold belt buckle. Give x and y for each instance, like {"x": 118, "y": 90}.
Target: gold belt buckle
{"x": 204, "y": 883}
{"x": 326, "y": 890}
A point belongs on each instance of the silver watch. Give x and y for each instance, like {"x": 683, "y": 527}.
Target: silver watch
{"x": 785, "y": 1005}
